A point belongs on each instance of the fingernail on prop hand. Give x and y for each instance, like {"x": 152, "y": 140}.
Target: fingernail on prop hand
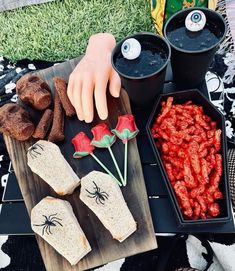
{"x": 126, "y": 129}
{"x": 81, "y": 143}
{"x": 89, "y": 79}
{"x": 103, "y": 138}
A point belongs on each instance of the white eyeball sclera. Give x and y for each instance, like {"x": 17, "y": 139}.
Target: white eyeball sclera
{"x": 195, "y": 21}
{"x": 131, "y": 49}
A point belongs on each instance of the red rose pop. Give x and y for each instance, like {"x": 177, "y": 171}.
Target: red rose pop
{"x": 83, "y": 147}
{"x": 103, "y": 138}
{"x": 126, "y": 129}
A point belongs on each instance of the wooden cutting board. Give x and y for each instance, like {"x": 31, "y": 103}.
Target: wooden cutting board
{"x": 104, "y": 248}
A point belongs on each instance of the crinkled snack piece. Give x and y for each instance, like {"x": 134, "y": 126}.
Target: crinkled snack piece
{"x": 34, "y": 91}
{"x": 15, "y": 122}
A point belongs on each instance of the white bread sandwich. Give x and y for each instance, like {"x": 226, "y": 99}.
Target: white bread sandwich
{"x": 104, "y": 197}
{"x": 46, "y": 160}
{"x": 53, "y": 219}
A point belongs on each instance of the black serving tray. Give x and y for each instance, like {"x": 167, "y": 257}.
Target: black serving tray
{"x": 225, "y": 204}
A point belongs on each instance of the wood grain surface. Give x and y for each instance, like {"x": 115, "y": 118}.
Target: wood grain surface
{"x": 104, "y": 248}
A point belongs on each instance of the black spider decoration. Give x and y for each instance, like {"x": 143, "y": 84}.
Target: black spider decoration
{"x": 35, "y": 150}
{"x": 100, "y": 196}
{"x": 51, "y": 221}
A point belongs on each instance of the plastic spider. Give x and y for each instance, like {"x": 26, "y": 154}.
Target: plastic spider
{"x": 51, "y": 221}
{"x": 100, "y": 196}
{"x": 34, "y": 150}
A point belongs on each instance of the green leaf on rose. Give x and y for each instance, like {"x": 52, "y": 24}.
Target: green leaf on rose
{"x": 106, "y": 141}
{"x": 125, "y": 134}
{"x": 79, "y": 154}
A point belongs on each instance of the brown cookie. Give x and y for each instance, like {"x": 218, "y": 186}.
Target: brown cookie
{"x": 61, "y": 88}
{"x": 57, "y": 130}
{"x": 44, "y": 124}
{"x": 34, "y": 91}
{"x": 15, "y": 122}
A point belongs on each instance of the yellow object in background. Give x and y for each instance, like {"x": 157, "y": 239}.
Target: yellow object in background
{"x": 161, "y": 10}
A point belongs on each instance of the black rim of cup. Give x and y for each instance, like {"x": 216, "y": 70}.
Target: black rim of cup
{"x": 119, "y": 44}
{"x": 186, "y": 11}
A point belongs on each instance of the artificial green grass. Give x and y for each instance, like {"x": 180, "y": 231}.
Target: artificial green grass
{"x": 60, "y": 30}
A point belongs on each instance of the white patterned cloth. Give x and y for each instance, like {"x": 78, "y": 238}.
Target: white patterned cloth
{"x": 4, "y": 258}
{"x": 223, "y": 259}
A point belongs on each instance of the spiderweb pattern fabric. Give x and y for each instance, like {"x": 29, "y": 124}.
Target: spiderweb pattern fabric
{"x": 227, "y": 45}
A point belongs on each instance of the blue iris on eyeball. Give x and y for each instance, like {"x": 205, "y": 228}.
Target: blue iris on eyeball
{"x": 131, "y": 49}
{"x": 195, "y": 21}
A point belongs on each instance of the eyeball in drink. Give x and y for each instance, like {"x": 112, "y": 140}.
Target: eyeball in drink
{"x": 195, "y": 21}
{"x": 131, "y": 49}
{"x": 195, "y": 33}
{"x": 194, "y": 41}
{"x": 141, "y": 60}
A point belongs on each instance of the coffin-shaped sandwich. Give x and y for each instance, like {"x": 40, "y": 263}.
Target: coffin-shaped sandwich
{"x": 46, "y": 160}
{"x": 53, "y": 219}
{"x": 104, "y": 197}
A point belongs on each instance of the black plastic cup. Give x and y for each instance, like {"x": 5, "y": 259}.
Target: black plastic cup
{"x": 189, "y": 67}
{"x": 143, "y": 90}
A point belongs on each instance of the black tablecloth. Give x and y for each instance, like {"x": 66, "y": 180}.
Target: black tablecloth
{"x": 171, "y": 254}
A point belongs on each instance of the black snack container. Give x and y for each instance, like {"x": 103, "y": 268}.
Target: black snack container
{"x": 225, "y": 204}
